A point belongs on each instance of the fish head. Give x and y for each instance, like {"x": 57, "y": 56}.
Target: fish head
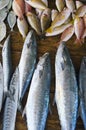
{"x": 30, "y": 41}
{"x": 62, "y": 57}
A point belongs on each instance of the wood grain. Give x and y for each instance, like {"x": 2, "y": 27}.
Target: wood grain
{"x": 49, "y": 44}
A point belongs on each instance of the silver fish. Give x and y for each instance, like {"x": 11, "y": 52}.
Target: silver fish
{"x": 3, "y": 3}
{"x": 27, "y": 63}
{"x": 82, "y": 89}
{"x": 10, "y": 110}
{"x": 81, "y": 11}
{"x": 3, "y": 14}
{"x": 2, "y": 31}
{"x": 37, "y": 105}
{"x": 66, "y": 91}
{"x": 11, "y": 19}
{"x": 7, "y": 63}
{"x": 1, "y": 86}
{"x": 70, "y": 4}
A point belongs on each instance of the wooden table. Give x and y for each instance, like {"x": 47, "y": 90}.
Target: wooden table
{"x": 49, "y": 44}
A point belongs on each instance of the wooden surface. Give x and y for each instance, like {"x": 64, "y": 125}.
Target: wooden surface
{"x": 49, "y": 44}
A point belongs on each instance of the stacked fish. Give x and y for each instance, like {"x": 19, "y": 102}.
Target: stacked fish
{"x": 13, "y": 87}
{"x": 5, "y": 11}
{"x": 69, "y": 18}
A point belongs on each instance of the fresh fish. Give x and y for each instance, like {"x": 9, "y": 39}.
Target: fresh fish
{"x": 81, "y": 11}
{"x": 8, "y": 7}
{"x": 3, "y": 3}
{"x": 11, "y": 19}
{"x": 79, "y": 27}
{"x": 38, "y": 98}
{"x": 34, "y": 22}
{"x": 54, "y": 13}
{"x": 82, "y": 90}
{"x": 67, "y": 34}
{"x": 78, "y": 4}
{"x": 1, "y": 86}
{"x": 19, "y": 8}
{"x": 58, "y": 30}
{"x": 39, "y": 4}
{"x": 27, "y": 63}
{"x": 7, "y": 64}
{"x": 10, "y": 110}
{"x": 45, "y": 19}
{"x": 22, "y": 26}
{"x": 3, "y": 14}
{"x": 66, "y": 91}
{"x": 60, "y": 4}
{"x": 70, "y": 4}
{"x": 61, "y": 17}
{"x": 28, "y": 8}
{"x": 2, "y": 31}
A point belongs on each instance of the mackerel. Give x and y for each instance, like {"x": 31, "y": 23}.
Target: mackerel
{"x": 66, "y": 91}
{"x": 37, "y": 105}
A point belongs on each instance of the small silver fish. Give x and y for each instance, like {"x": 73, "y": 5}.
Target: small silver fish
{"x": 27, "y": 63}
{"x": 45, "y": 19}
{"x": 3, "y": 3}
{"x": 7, "y": 63}
{"x": 82, "y": 90}
{"x": 37, "y": 104}
{"x": 34, "y": 22}
{"x": 57, "y": 30}
{"x": 61, "y": 17}
{"x": 11, "y": 103}
{"x": 60, "y": 4}
{"x": 11, "y": 19}
{"x": 81, "y": 11}
{"x": 1, "y": 86}
{"x": 2, "y": 31}
{"x": 3, "y": 14}
{"x": 70, "y": 4}
{"x": 22, "y": 26}
{"x": 66, "y": 91}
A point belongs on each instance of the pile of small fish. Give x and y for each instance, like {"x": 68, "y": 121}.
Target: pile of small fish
{"x": 38, "y": 78}
{"x": 68, "y": 18}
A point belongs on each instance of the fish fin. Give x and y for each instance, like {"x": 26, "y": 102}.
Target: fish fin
{"x": 20, "y": 107}
{"x": 50, "y": 109}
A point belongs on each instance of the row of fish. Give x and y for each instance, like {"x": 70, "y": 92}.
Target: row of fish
{"x": 67, "y": 94}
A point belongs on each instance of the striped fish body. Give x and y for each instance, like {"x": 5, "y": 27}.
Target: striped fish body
{"x": 38, "y": 98}
{"x": 66, "y": 91}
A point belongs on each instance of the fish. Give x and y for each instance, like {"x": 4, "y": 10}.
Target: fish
{"x": 57, "y": 30}
{"x": 79, "y": 27}
{"x": 67, "y": 34}
{"x": 1, "y": 86}
{"x": 2, "y": 30}
{"x": 54, "y": 13}
{"x": 3, "y": 3}
{"x": 22, "y": 26}
{"x": 61, "y": 18}
{"x": 78, "y": 4}
{"x": 10, "y": 110}
{"x": 84, "y": 17}
{"x": 37, "y": 104}
{"x": 70, "y": 4}
{"x": 39, "y": 4}
{"x": 81, "y": 11}
{"x": 34, "y": 22}
{"x": 8, "y": 7}
{"x": 11, "y": 19}
{"x": 66, "y": 90}
{"x": 7, "y": 64}
{"x": 27, "y": 63}
{"x": 45, "y": 19}
{"x": 19, "y": 8}
{"x": 82, "y": 91}
{"x": 3, "y": 14}
{"x": 60, "y": 4}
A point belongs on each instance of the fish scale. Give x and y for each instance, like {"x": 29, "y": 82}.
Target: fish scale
{"x": 11, "y": 104}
